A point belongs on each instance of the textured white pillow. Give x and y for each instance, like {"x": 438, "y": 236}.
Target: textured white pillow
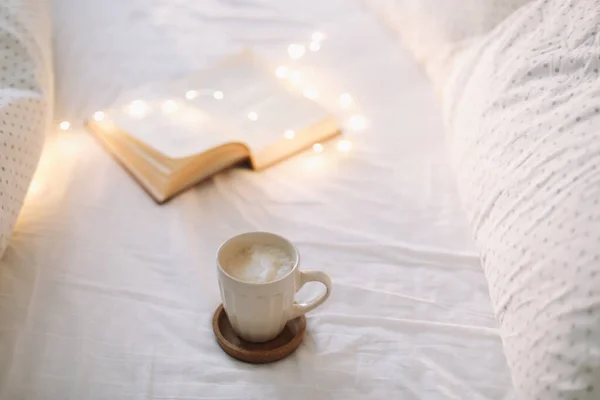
{"x": 25, "y": 101}
{"x": 523, "y": 112}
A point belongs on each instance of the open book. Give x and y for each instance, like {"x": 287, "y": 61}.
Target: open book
{"x": 171, "y": 135}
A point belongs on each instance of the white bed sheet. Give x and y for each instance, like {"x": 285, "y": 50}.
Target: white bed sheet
{"x": 106, "y": 295}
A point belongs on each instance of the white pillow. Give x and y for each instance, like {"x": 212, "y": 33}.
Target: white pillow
{"x": 523, "y": 113}
{"x": 25, "y": 101}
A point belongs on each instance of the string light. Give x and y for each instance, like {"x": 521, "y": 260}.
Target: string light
{"x": 316, "y": 39}
{"x": 345, "y": 100}
{"x": 296, "y": 51}
{"x": 289, "y": 134}
{"x": 169, "y": 106}
{"x": 218, "y": 95}
{"x": 138, "y": 108}
{"x": 317, "y": 36}
{"x": 357, "y": 122}
{"x": 311, "y": 93}
{"x": 64, "y": 125}
{"x": 282, "y": 71}
{"x": 98, "y": 115}
{"x": 317, "y": 147}
{"x": 252, "y": 116}
{"x": 191, "y": 94}
{"x": 344, "y": 145}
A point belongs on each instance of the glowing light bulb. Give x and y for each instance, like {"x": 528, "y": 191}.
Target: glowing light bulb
{"x": 169, "y": 106}
{"x": 252, "y": 116}
{"x": 64, "y": 125}
{"x": 191, "y": 94}
{"x": 98, "y": 115}
{"x": 345, "y": 100}
{"x": 289, "y": 134}
{"x": 295, "y": 77}
{"x": 317, "y": 147}
{"x": 317, "y": 36}
{"x": 138, "y": 108}
{"x": 282, "y": 71}
{"x": 344, "y": 145}
{"x": 314, "y": 46}
{"x": 311, "y": 93}
{"x": 217, "y": 94}
{"x": 357, "y": 122}
{"x": 296, "y": 51}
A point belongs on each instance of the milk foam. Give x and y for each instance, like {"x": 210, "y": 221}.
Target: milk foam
{"x": 259, "y": 263}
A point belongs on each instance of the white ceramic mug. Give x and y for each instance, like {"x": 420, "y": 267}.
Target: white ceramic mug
{"x": 258, "y": 312}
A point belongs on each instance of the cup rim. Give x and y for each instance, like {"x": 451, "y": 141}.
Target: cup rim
{"x": 296, "y": 254}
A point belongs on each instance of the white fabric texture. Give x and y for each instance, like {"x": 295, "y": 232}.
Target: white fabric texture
{"x": 106, "y": 295}
{"x": 25, "y": 101}
{"x": 523, "y": 110}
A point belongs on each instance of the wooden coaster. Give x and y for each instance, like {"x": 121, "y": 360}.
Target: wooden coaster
{"x": 258, "y": 353}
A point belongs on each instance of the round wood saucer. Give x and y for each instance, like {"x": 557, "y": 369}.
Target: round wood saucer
{"x": 258, "y": 353}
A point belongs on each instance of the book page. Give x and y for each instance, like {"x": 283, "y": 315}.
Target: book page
{"x": 237, "y": 100}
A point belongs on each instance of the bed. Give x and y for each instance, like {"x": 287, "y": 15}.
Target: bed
{"x": 106, "y": 295}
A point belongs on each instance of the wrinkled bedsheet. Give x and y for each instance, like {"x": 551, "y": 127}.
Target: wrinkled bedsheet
{"x": 106, "y": 295}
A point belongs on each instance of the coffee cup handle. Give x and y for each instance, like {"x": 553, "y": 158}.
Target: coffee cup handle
{"x": 312, "y": 276}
